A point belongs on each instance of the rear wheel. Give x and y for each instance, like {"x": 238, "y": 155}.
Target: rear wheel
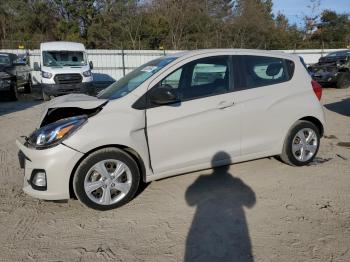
{"x": 343, "y": 80}
{"x": 106, "y": 179}
{"x": 301, "y": 144}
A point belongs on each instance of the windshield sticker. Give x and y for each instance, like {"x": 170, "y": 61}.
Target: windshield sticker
{"x": 149, "y": 69}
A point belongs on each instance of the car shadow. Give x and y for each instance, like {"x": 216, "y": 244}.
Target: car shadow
{"x": 341, "y": 107}
{"x": 219, "y": 230}
{"x": 7, "y": 107}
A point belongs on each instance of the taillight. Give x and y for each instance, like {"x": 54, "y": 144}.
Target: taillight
{"x": 317, "y": 89}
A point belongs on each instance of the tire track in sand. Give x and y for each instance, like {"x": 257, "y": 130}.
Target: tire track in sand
{"x": 23, "y": 228}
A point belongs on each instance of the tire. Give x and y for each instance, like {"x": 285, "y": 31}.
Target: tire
{"x": 97, "y": 172}
{"x": 28, "y": 86}
{"x": 13, "y": 94}
{"x": 343, "y": 80}
{"x": 291, "y": 154}
{"x": 46, "y": 97}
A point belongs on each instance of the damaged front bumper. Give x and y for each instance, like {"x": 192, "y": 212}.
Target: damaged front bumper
{"x": 57, "y": 163}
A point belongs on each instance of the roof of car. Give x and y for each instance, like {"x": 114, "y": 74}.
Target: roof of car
{"x": 344, "y": 52}
{"x": 62, "y": 45}
{"x": 6, "y": 53}
{"x": 238, "y": 51}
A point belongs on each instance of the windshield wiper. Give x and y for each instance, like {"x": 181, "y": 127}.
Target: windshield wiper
{"x": 71, "y": 65}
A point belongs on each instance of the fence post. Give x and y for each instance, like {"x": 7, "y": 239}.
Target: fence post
{"x": 123, "y": 61}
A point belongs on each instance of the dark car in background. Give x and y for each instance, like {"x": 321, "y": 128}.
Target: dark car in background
{"x": 333, "y": 69}
{"x": 15, "y": 72}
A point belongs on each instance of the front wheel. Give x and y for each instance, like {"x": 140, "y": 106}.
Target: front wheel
{"x": 13, "y": 94}
{"x": 301, "y": 144}
{"x": 106, "y": 179}
{"x": 28, "y": 86}
{"x": 46, "y": 97}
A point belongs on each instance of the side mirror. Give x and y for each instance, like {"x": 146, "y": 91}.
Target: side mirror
{"x": 91, "y": 65}
{"x": 36, "y": 66}
{"x": 164, "y": 95}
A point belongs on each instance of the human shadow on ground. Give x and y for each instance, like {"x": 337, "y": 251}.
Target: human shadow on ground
{"x": 219, "y": 231}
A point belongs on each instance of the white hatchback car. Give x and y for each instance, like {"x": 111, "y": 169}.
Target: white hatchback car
{"x": 171, "y": 116}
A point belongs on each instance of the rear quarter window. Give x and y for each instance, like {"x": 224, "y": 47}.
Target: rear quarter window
{"x": 258, "y": 71}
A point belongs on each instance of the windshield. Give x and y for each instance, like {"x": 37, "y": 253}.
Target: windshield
{"x": 5, "y": 59}
{"x": 340, "y": 53}
{"x": 135, "y": 78}
{"x": 64, "y": 58}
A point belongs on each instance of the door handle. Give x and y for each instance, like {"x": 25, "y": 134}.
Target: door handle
{"x": 225, "y": 104}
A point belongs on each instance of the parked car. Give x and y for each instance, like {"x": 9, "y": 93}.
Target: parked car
{"x": 169, "y": 117}
{"x": 333, "y": 69}
{"x": 64, "y": 69}
{"x": 15, "y": 72}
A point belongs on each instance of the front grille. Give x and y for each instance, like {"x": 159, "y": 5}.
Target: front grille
{"x": 63, "y": 79}
{"x": 69, "y": 90}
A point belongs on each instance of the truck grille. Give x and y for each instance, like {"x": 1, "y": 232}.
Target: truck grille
{"x": 64, "y": 79}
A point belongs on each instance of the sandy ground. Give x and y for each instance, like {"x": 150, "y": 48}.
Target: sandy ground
{"x": 260, "y": 210}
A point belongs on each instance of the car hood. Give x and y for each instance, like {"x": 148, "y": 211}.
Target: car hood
{"x": 70, "y": 105}
{"x": 66, "y": 69}
{"x": 76, "y": 100}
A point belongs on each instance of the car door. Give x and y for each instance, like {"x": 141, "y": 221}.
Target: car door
{"x": 185, "y": 136}
{"x": 263, "y": 93}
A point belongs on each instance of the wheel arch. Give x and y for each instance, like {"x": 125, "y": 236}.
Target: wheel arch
{"x": 130, "y": 151}
{"x": 316, "y": 122}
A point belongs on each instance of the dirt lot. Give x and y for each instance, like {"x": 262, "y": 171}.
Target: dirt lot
{"x": 260, "y": 210}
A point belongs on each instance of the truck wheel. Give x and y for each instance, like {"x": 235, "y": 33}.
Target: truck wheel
{"x": 28, "y": 86}
{"x": 343, "y": 80}
{"x": 14, "y": 94}
{"x": 46, "y": 97}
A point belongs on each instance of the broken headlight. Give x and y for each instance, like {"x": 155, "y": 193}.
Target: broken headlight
{"x": 52, "y": 134}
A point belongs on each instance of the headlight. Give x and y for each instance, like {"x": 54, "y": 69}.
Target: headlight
{"x": 46, "y": 74}
{"x": 4, "y": 83}
{"x": 54, "y": 133}
{"x": 87, "y": 73}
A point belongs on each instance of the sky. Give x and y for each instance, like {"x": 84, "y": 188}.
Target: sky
{"x": 295, "y": 10}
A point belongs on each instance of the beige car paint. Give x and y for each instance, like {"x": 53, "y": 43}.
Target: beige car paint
{"x": 175, "y": 134}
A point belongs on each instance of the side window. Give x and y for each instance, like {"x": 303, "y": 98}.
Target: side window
{"x": 262, "y": 71}
{"x": 207, "y": 77}
{"x": 173, "y": 79}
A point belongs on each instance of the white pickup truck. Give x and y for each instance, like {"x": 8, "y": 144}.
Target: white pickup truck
{"x": 64, "y": 69}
